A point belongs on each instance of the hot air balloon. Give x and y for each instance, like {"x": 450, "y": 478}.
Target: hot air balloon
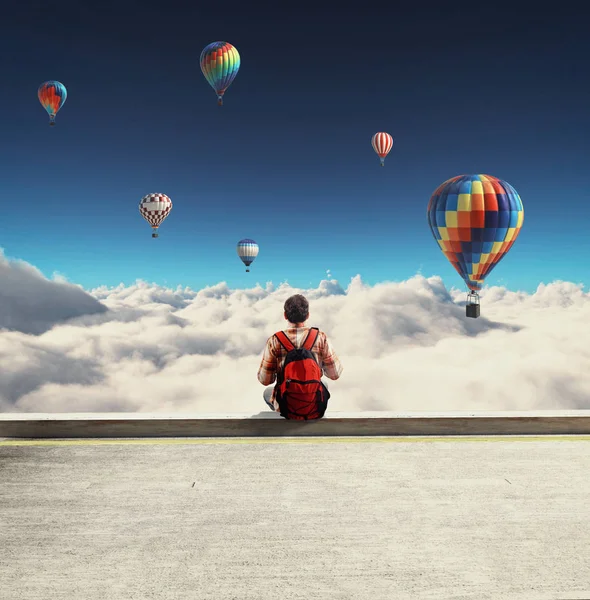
{"x": 247, "y": 251}
{"x": 220, "y": 62}
{"x": 475, "y": 219}
{"x": 52, "y": 95}
{"x": 382, "y": 144}
{"x": 154, "y": 208}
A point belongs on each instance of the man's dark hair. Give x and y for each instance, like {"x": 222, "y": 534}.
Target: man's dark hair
{"x": 297, "y": 309}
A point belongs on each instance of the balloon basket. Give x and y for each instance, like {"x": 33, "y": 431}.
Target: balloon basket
{"x": 154, "y": 235}
{"x": 247, "y": 270}
{"x": 472, "y": 307}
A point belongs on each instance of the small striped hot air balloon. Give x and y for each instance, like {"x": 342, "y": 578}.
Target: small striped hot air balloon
{"x": 382, "y": 144}
{"x": 220, "y": 62}
{"x": 247, "y": 251}
{"x": 52, "y": 95}
{"x": 475, "y": 219}
{"x": 154, "y": 208}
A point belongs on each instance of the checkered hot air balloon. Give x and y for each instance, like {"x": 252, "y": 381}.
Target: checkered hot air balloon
{"x": 220, "y": 62}
{"x": 475, "y": 219}
{"x": 52, "y": 95}
{"x": 247, "y": 251}
{"x": 154, "y": 208}
{"x": 382, "y": 144}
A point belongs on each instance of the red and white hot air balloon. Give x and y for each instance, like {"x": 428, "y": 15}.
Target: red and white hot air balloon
{"x": 154, "y": 208}
{"x": 382, "y": 144}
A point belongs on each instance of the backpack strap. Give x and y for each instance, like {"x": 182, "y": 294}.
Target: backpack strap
{"x": 284, "y": 341}
{"x": 309, "y": 343}
{"x": 311, "y": 338}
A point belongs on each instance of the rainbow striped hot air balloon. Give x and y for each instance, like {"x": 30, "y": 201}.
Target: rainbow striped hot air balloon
{"x": 475, "y": 219}
{"x": 154, "y": 208}
{"x": 247, "y": 251}
{"x": 52, "y": 95}
{"x": 382, "y": 144}
{"x": 220, "y": 62}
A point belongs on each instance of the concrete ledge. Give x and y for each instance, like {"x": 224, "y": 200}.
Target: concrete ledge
{"x": 268, "y": 424}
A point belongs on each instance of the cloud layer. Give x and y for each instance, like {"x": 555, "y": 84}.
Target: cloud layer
{"x": 404, "y": 346}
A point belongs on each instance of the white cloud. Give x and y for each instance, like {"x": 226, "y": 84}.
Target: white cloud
{"x": 404, "y": 346}
{"x": 33, "y": 304}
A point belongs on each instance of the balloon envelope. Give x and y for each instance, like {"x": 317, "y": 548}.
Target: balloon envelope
{"x": 247, "y": 251}
{"x": 220, "y": 62}
{"x": 382, "y": 144}
{"x": 52, "y": 95}
{"x": 154, "y": 208}
{"x": 475, "y": 219}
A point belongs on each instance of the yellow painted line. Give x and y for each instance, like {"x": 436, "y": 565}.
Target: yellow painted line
{"x": 290, "y": 440}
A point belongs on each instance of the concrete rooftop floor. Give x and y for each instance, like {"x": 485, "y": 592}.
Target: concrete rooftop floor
{"x": 469, "y": 517}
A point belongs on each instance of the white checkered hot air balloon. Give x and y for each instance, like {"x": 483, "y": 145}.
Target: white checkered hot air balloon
{"x": 154, "y": 208}
{"x": 247, "y": 251}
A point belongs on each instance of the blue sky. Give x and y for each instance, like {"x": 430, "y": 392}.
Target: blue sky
{"x": 287, "y": 160}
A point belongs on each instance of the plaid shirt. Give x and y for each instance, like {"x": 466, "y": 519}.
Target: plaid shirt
{"x": 274, "y": 356}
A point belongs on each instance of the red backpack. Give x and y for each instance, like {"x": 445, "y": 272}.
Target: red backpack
{"x": 299, "y": 391}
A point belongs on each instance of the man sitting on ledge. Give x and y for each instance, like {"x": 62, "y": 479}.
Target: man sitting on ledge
{"x": 296, "y": 358}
